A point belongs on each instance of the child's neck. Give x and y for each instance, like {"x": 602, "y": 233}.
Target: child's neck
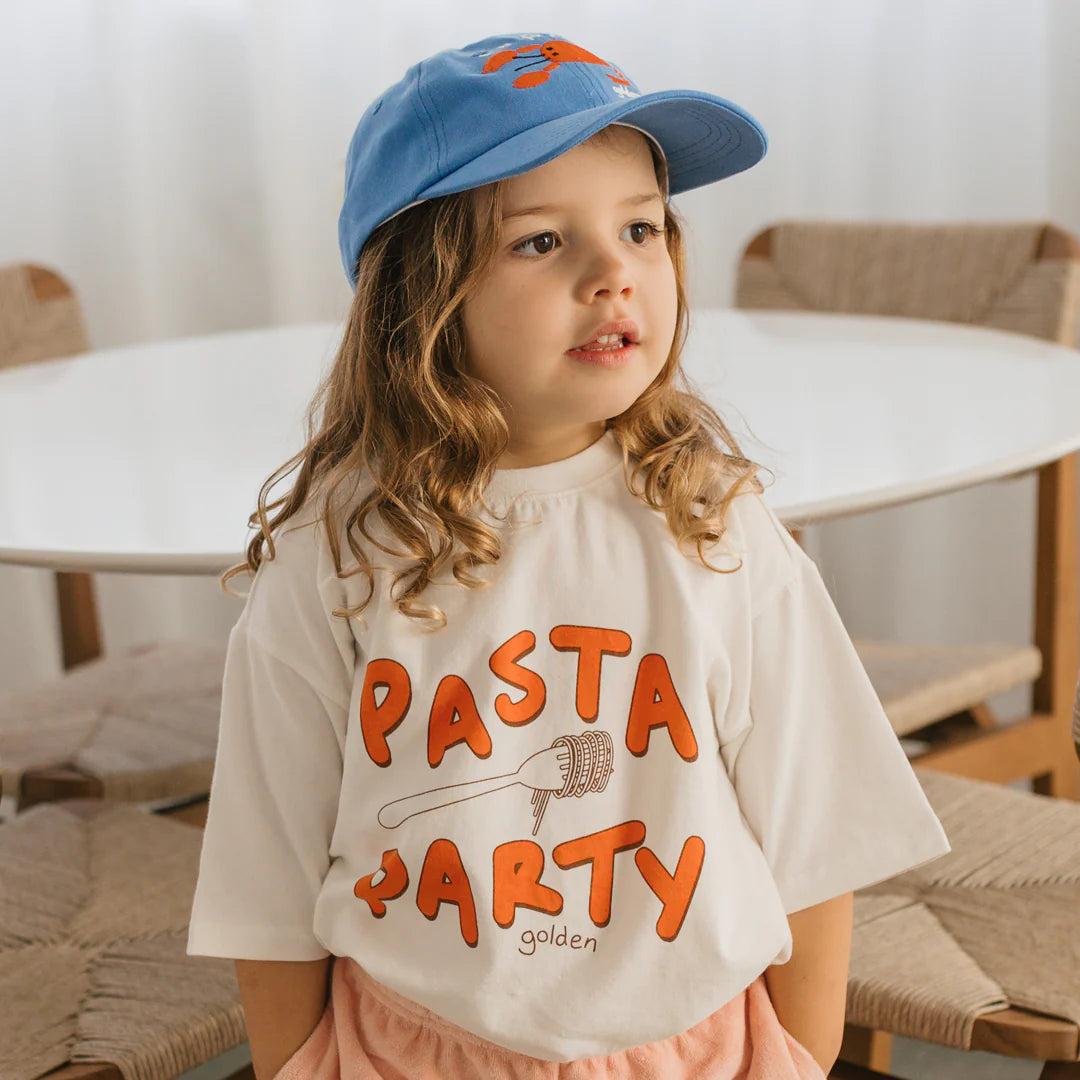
{"x": 542, "y": 448}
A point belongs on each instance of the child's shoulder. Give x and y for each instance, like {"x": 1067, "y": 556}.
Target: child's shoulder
{"x": 302, "y": 557}
{"x": 750, "y": 507}
{"x": 755, "y": 534}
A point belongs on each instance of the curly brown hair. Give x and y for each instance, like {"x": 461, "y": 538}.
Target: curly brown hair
{"x": 399, "y": 406}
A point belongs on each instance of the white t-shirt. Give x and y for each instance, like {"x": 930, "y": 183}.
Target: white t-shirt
{"x": 575, "y": 820}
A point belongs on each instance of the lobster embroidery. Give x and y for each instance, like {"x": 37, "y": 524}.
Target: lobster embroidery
{"x": 556, "y": 52}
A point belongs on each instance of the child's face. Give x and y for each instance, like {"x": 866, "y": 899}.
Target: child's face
{"x": 560, "y": 272}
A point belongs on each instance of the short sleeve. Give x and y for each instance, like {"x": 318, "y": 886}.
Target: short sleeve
{"x": 820, "y": 776}
{"x": 277, "y": 773}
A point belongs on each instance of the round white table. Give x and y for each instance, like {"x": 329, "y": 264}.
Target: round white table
{"x": 149, "y": 458}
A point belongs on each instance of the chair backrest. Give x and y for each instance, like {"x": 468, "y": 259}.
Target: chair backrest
{"x": 41, "y": 319}
{"x": 40, "y": 316}
{"x": 1017, "y": 276}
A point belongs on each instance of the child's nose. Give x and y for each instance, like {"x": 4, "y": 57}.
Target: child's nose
{"x": 607, "y": 272}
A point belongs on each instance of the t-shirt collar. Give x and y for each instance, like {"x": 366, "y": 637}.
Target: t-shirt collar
{"x": 557, "y": 476}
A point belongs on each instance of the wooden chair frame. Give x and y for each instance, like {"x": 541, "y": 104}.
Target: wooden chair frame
{"x": 1039, "y": 747}
{"x": 80, "y": 635}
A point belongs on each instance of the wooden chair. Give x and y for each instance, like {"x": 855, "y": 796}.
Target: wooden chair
{"x": 139, "y": 726}
{"x": 1023, "y": 278}
{"x": 95, "y": 983}
{"x": 41, "y": 319}
{"x": 978, "y": 950}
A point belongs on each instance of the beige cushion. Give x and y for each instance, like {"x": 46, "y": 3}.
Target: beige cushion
{"x": 995, "y": 923}
{"x": 918, "y": 684}
{"x": 145, "y": 722}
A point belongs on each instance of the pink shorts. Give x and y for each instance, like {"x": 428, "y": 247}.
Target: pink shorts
{"x": 370, "y": 1032}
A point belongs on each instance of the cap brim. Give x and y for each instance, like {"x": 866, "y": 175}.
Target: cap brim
{"x": 704, "y": 138}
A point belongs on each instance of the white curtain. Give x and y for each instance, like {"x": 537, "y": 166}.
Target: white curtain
{"x": 181, "y": 162}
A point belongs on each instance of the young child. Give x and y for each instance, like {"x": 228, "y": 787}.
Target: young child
{"x": 562, "y": 755}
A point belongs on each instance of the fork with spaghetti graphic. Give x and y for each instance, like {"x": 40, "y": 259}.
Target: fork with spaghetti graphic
{"x": 588, "y": 768}
{"x": 572, "y": 766}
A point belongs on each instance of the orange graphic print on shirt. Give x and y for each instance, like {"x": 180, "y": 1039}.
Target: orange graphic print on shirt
{"x": 576, "y": 765}
{"x": 572, "y": 765}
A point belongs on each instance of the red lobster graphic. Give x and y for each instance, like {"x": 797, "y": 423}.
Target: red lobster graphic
{"x": 557, "y": 52}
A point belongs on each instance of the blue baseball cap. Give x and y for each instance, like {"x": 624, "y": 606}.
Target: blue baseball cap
{"x": 507, "y": 104}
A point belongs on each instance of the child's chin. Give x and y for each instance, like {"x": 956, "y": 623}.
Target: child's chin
{"x": 601, "y": 406}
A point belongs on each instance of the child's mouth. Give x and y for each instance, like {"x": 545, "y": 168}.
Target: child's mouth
{"x": 605, "y": 342}
{"x": 604, "y": 353}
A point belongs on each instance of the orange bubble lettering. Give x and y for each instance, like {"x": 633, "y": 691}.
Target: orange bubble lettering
{"x": 599, "y": 849}
{"x": 675, "y": 891}
{"x": 590, "y": 643}
{"x": 443, "y": 881}
{"x": 518, "y": 866}
{"x": 454, "y": 719}
{"x": 505, "y": 664}
{"x": 656, "y": 704}
{"x": 394, "y": 881}
{"x": 377, "y": 721}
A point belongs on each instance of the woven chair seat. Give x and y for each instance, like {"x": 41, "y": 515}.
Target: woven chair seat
{"x": 920, "y": 684}
{"x": 994, "y": 924}
{"x": 143, "y": 722}
{"x": 95, "y": 899}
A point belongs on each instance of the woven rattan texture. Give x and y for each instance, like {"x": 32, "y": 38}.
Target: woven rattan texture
{"x": 921, "y": 683}
{"x": 994, "y": 923}
{"x": 985, "y": 274}
{"x": 94, "y": 905}
{"x": 145, "y": 722}
{"x": 40, "y": 317}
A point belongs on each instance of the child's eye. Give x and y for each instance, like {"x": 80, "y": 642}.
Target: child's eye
{"x": 645, "y": 230}
{"x": 545, "y": 242}
{"x": 540, "y": 242}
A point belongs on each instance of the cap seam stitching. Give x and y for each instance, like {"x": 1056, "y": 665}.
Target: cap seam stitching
{"x": 698, "y": 151}
{"x": 442, "y": 145}
{"x": 575, "y": 70}
{"x": 418, "y": 106}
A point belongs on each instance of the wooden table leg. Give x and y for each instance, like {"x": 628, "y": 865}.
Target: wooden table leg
{"x": 80, "y": 638}
{"x": 1057, "y": 621}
